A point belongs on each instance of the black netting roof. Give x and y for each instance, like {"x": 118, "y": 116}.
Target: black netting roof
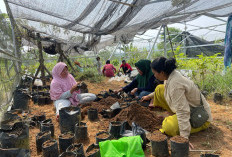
{"x": 114, "y": 18}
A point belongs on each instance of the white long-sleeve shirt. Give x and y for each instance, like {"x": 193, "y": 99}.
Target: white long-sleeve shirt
{"x": 181, "y": 93}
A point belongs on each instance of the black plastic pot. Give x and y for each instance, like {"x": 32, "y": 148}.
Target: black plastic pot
{"x": 41, "y": 138}
{"x": 179, "y": 149}
{"x": 16, "y": 137}
{"x": 81, "y": 131}
{"x": 47, "y": 121}
{"x": 99, "y": 139}
{"x": 46, "y": 94}
{"x": 90, "y": 148}
{"x": 76, "y": 148}
{"x": 35, "y": 98}
{"x": 47, "y": 126}
{"x": 209, "y": 155}
{"x": 115, "y": 128}
{"x": 21, "y": 100}
{"x": 14, "y": 152}
{"x": 68, "y": 154}
{"x": 9, "y": 116}
{"x": 48, "y": 100}
{"x": 38, "y": 118}
{"x": 217, "y": 98}
{"x": 92, "y": 114}
{"x": 159, "y": 148}
{"x": 41, "y": 100}
{"x": 65, "y": 142}
{"x": 50, "y": 148}
{"x": 69, "y": 117}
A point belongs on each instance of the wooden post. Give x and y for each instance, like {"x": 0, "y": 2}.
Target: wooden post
{"x": 41, "y": 59}
{"x": 62, "y": 56}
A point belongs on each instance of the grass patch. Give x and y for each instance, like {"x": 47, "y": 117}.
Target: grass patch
{"x": 89, "y": 74}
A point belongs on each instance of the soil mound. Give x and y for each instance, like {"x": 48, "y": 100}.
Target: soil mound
{"x": 141, "y": 116}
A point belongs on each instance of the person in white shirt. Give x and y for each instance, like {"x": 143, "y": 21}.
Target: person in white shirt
{"x": 176, "y": 95}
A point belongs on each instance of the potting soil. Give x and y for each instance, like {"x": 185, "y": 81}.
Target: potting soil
{"x": 103, "y": 135}
{"x": 94, "y": 150}
{"x": 48, "y": 143}
{"x": 142, "y": 116}
{"x": 66, "y": 136}
{"x": 157, "y": 136}
{"x": 101, "y": 105}
{"x": 76, "y": 147}
{"x": 179, "y": 139}
{"x": 44, "y": 134}
{"x": 17, "y": 131}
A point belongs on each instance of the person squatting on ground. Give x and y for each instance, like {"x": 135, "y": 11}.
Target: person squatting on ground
{"x": 126, "y": 68}
{"x": 177, "y": 95}
{"x": 64, "y": 89}
{"x": 108, "y": 69}
{"x": 144, "y": 83}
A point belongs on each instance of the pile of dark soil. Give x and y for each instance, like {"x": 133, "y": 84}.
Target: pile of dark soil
{"x": 141, "y": 116}
{"x": 103, "y": 104}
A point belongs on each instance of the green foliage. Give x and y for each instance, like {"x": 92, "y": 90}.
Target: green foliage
{"x": 115, "y": 62}
{"x": 207, "y": 72}
{"x": 90, "y": 75}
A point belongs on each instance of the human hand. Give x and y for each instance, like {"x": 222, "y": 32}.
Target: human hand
{"x": 191, "y": 146}
{"x": 117, "y": 91}
{"x": 145, "y": 98}
{"x": 134, "y": 91}
{"x": 75, "y": 87}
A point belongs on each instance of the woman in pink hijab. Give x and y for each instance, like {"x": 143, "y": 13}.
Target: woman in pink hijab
{"x": 63, "y": 89}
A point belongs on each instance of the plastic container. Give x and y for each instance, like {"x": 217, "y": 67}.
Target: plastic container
{"x": 159, "y": 145}
{"x": 50, "y": 148}
{"x": 21, "y": 100}
{"x": 76, "y": 148}
{"x": 179, "y": 147}
{"x": 217, "y": 98}
{"x": 115, "y": 128}
{"x": 69, "y": 117}
{"x": 81, "y": 131}
{"x": 39, "y": 118}
{"x": 102, "y": 136}
{"x": 15, "y": 136}
{"x": 92, "y": 114}
{"x": 41, "y": 138}
{"x": 47, "y": 126}
{"x": 14, "y": 152}
{"x": 65, "y": 140}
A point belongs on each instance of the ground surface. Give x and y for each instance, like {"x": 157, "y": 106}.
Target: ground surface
{"x": 217, "y": 138}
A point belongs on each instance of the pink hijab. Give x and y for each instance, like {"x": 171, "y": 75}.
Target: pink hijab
{"x": 60, "y": 85}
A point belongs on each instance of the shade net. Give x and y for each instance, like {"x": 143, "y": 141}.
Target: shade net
{"x": 97, "y": 23}
{"x": 9, "y": 69}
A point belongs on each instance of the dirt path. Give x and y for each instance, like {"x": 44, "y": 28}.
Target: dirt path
{"x": 217, "y": 137}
